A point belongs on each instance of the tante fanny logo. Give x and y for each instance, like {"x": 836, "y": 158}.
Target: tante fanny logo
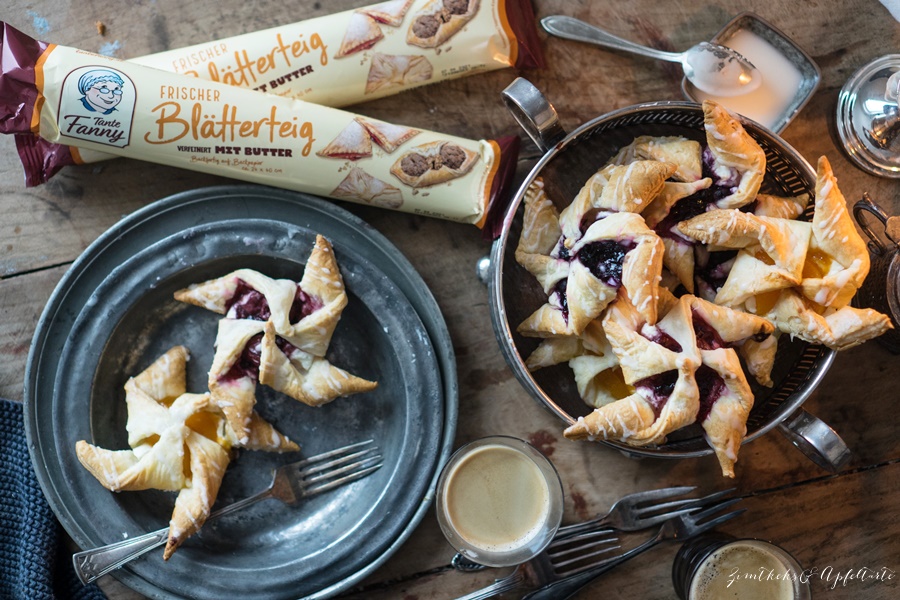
{"x": 97, "y": 105}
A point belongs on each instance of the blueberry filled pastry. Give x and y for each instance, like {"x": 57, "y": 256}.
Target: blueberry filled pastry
{"x": 270, "y": 325}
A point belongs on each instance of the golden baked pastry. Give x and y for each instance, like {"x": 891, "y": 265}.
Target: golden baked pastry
{"x": 677, "y": 150}
{"x": 772, "y": 251}
{"x": 837, "y": 261}
{"x": 362, "y": 33}
{"x": 738, "y": 161}
{"x": 165, "y": 426}
{"x": 540, "y": 237}
{"x": 683, "y": 370}
{"x": 389, "y": 13}
{"x": 614, "y": 188}
{"x": 837, "y": 328}
{"x": 433, "y": 163}
{"x": 659, "y": 362}
{"x": 618, "y": 250}
{"x": 360, "y": 186}
{"x": 439, "y": 20}
{"x": 269, "y": 319}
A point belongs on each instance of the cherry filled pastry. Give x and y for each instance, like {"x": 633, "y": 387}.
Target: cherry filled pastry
{"x": 275, "y": 332}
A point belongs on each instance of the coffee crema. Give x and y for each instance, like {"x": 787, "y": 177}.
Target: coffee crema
{"x": 496, "y": 498}
{"x": 743, "y": 570}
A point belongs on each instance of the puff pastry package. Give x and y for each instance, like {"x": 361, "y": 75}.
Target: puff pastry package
{"x": 103, "y": 105}
{"x": 179, "y": 442}
{"x": 670, "y": 280}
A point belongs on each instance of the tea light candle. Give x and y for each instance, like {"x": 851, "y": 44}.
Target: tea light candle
{"x": 789, "y": 77}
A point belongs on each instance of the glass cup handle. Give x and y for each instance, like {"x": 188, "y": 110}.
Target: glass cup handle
{"x": 534, "y": 113}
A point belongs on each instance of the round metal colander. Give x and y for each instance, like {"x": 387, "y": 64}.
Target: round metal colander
{"x": 569, "y": 161}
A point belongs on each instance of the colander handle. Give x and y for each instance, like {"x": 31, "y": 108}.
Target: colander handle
{"x": 814, "y": 438}
{"x": 534, "y": 113}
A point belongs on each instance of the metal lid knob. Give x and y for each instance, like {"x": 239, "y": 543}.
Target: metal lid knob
{"x": 868, "y": 117}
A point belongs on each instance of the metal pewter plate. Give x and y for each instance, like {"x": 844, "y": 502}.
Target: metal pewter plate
{"x": 113, "y": 313}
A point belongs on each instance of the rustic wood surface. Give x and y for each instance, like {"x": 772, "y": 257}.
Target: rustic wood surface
{"x": 845, "y": 521}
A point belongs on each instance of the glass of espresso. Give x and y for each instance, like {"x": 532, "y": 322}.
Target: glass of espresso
{"x": 499, "y": 501}
{"x": 716, "y": 566}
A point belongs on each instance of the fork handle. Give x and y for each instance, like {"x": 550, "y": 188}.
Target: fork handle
{"x": 565, "y": 588}
{"x": 90, "y": 565}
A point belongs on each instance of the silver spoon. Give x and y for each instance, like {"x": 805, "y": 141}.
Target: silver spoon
{"x": 712, "y": 68}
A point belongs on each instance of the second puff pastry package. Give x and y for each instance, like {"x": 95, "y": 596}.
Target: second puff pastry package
{"x": 192, "y": 118}
{"x": 670, "y": 281}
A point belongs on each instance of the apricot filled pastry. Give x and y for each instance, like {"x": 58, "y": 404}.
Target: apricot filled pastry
{"x": 772, "y": 251}
{"x": 838, "y": 258}
{"x": 179, "y": 442}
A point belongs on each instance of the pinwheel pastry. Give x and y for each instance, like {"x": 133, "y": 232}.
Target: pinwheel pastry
{"x": 397, "y": 70}
{"x": 433, "y": 163}
{"x": 389, "y": 13}
{"x": 388, "y": 137}
{"x": 683, "y": 370}
{"x": 677, "y": 150}
{"x": 439, "y": 20}
{"x": 614, "y": 188}
{"x": 352, "y": 143}
{"x": 360, "y": 186}
{"x": 659, "y": 361}
{"x": 837, "y": 328}
{"x": 540, "y": 237}
{"x": 772, "y": 252}
{"x": 179, "y": 442}
{"x": 616, "y": 251}
{"x": 737, "y": 162}
{"x": 362, "y": 33}
{"x": 275, "y": 332}
{"x": 837, "y": 260}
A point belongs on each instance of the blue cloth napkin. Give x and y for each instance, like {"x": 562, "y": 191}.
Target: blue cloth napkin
{"x": 34, "y": 562}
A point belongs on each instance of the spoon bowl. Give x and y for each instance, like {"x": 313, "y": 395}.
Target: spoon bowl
{"x": 712, "y": 68}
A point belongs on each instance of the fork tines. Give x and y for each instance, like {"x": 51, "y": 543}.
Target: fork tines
{"x": 328, "y": 470}
{"x": 699, "y": 518}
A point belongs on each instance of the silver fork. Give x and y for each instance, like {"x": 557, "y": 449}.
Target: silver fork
{"x": 678, "y": 529}
{"x": 290, "y": 484}
{"x": 632, "y": 512}
{"x": 576, "y": 553}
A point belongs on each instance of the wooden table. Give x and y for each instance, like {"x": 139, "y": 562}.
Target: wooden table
{"x": 844, "y": 521}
